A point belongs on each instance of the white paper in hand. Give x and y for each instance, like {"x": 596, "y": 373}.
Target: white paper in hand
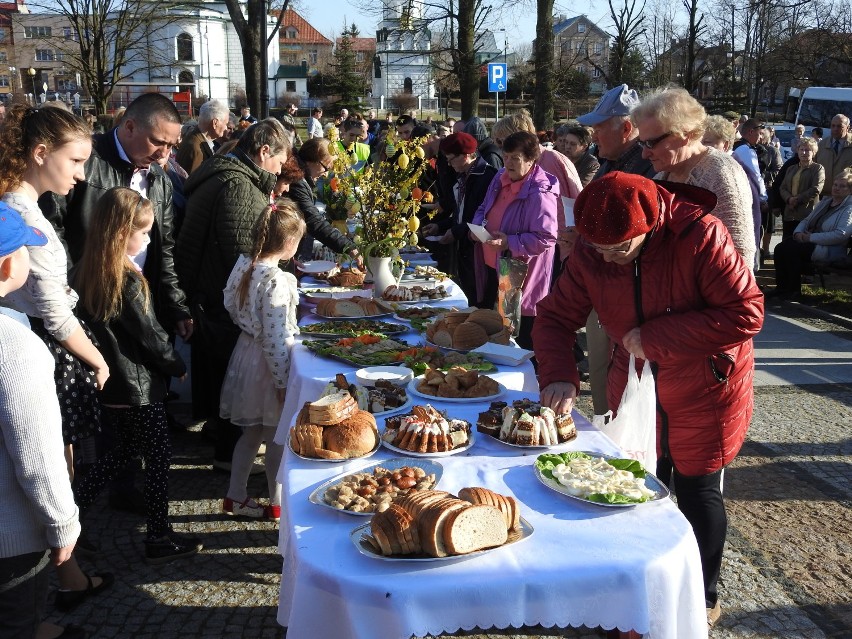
{"x": 568, "y": 207}
{"x": 480, "y": 232}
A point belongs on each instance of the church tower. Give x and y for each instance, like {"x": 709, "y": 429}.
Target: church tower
{"x": 403, "y": 48}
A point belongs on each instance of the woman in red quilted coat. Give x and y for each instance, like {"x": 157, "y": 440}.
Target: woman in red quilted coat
{"x": 670, "y": 287}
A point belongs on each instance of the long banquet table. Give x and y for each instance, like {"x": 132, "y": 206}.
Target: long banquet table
{"x": 628, "y": 568}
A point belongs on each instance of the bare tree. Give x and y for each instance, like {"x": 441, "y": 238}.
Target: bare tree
{"x": 629, "y": 25}
{"x": 254, "y": 40}
{"x": 543, "y": 61}
{"x": 694, "y": 31}
{"x": 110, "y": 38}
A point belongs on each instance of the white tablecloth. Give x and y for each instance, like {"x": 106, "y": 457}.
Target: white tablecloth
{"x": 309, "y": 373}
{"x": 630, "y": 568}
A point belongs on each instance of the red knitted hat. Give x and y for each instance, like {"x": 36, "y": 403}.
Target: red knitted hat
{"x": 617, "y": 207}
{"x": 459, "y": 144}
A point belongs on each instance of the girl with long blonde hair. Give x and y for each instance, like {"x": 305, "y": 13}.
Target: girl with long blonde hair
{"x": 262, "y": 301}
{"x": 116, "y": 300}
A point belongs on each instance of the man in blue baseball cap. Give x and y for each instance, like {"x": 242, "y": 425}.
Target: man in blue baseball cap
{"x": 617, "y": 140}
{"x": 33, "y": 476}
{"x": 615, "y": 135}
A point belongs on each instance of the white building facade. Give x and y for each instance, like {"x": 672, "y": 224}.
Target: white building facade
{"x": 403, "y": 49}
{"x": 200, "y": 51}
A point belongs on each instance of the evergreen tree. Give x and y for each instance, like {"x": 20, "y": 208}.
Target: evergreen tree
{"x": 346, "y": 80}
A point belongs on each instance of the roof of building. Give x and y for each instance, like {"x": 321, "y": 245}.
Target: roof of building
{"x": 564, "y": 23}
{"x": 305, "y": 32}
{"x": 292, "y": 71}
{"x": 360, "y": 44}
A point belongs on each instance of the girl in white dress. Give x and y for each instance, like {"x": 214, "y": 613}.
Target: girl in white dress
{"x": 262, "y": 301}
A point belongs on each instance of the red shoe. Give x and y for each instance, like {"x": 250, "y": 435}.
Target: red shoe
{"x": 272, "y": 513}
{"x": 249, "y": 508}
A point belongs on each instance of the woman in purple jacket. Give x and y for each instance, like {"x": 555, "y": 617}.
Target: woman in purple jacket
{"x": 519, "y": 211}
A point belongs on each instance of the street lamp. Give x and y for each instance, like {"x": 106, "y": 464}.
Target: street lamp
{"x": 32, "y": 73}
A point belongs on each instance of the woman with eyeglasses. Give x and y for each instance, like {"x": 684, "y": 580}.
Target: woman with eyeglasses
{"x": 316, "y": 160}
{"x": 671, "y": 127}
{"x": 520, "y": 213}
{"x": 669, "y": 287}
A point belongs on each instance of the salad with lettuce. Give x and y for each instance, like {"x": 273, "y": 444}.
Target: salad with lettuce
{"x": 596, "y": 479}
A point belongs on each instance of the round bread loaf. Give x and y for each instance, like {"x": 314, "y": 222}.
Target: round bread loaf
{"x": 353, "y": 437}
{"x": 469, "y": 335}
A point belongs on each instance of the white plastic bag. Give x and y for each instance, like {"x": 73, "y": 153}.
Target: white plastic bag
{"x": 634, "y": 428}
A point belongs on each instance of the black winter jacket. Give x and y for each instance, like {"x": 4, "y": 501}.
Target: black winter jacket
{"x": 225, "y": 196}
{"x": 137, "y": 351}
{"x": 72, "y": 214}
{"x": 304, "y": 196}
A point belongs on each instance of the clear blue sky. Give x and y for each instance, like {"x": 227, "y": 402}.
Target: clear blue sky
{"x": 327, "y": 16}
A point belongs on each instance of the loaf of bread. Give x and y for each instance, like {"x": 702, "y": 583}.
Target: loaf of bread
{"x": 347, "y": 277}
{"x": 350, "y": 307}
{"x": 353, "y": 436}
{"x": 465, "y": 331}
{"x": 436, "y": 524}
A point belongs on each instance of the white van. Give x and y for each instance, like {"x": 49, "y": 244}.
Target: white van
{"x": 818, "y": 105}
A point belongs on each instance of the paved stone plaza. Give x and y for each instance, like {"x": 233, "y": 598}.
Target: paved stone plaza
{"x": 787, "y": 561}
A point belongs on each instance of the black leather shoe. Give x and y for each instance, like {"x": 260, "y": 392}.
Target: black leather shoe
{"x": 69, "y": 599}
{"x": 128, "y": 502}
{"x": 170, "y": 547}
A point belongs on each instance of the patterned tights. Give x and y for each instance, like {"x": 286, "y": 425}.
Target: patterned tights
{"x": 138, "y": 430}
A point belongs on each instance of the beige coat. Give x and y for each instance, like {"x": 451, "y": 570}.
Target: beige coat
{"x": 832, "y": 162}
{"x": 810, "y": 185}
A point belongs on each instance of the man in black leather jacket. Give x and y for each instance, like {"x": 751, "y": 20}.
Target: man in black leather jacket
{"x": 127, "y": 156}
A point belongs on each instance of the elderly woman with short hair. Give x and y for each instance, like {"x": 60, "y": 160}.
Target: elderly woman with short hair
{"x": 671, "y": 129}
{"x": 556, "y": 164}
{"x": 821, "y": 237}
{"x": 801, "y": 187}
{"x": 573, "y": 141}
{"x": 520, "y": 213}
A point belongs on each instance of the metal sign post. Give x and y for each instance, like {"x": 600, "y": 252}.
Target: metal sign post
{"x": 497, "y": 82}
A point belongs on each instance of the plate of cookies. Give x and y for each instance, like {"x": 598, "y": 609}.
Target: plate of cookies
{"x": 457, "y": 385}
{"x": 373, "y": 488}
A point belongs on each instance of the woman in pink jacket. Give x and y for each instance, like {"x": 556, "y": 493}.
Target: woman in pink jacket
{"x": 519, "y": 211}
{"x": 669, "y": 287}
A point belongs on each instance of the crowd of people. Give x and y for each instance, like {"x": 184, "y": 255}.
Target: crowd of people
{"x": 643, "y": 220}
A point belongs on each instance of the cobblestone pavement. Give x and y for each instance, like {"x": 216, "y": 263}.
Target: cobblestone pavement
{"x": 786, "y": 570}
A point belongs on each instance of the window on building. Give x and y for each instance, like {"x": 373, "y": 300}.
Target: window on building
{"x": 70, "y": 34}
{"x": 598, "y": 48}
{"x": 359, "y": 56}
{"x": 581, "y": 27}
{"x": 186, "y": 77}
{"x": 290, "y": 86}
{"x": 45, "y": 55}
{"x": 313, "y": 56}
{"x": 4, "y": 80}
{"x": 184, "y": 47}
{"x": 581, "y": 68}
{"x": 3, "y": 55}
{"x": 66, "y": 84}
{"x": 61, "y": 56}
{"x": 291, "y": 33}
{"x": 291, "y": 58}
{"x": 596, "y": 73}
{"x": 4, "y": 34}
{"x": 408, "y": 86}
{"x": 37, "y": 32}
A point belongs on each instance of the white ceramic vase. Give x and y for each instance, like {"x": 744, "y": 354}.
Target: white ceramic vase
{"x": 380, "y": 269}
